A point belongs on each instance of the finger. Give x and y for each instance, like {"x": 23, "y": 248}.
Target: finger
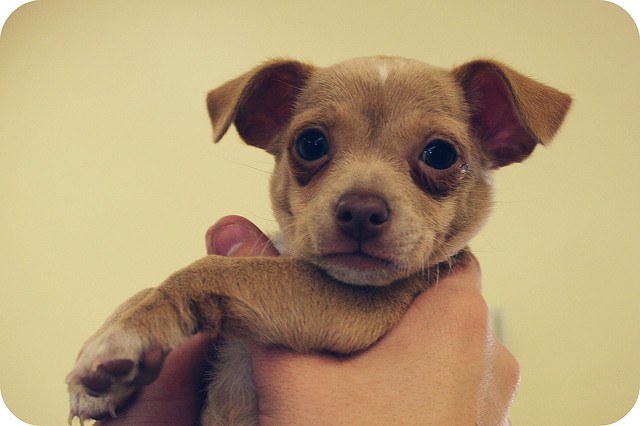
{"x": 505, "y": 383}
{"x": 501, "y": 379}
{"x": 467, "y": 268}
{"x": 459, "y": 285}
{"x": 184, "y": 365}
{"x": 237, "y": 236}
{"x": 452, "y": 306}
{"x": 286, "y": 380}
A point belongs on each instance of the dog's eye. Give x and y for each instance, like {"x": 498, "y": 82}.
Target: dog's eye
{"x": 439, "y": 154}
{"x": 312, "y": 145}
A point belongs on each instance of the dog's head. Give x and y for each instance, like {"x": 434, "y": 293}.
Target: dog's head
{"x": 383, "y": 164}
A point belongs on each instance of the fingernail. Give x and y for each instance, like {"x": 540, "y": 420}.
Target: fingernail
{"x": 227, "y": 239}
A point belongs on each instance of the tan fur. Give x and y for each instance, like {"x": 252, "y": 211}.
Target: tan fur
{"x": 231, "y": 397}
{"x": 336, "y": 291}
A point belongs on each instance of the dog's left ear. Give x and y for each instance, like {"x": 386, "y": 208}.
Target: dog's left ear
{"x": 510, "y": 113}
{"x": 260, "y": 103}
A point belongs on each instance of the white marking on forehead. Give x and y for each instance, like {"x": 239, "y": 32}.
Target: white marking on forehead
{"x": 383, "y": 72}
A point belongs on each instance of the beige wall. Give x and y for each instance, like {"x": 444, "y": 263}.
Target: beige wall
{"x": 109, "y": 178}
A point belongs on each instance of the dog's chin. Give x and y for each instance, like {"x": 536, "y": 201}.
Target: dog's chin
{"x": 361, "y": 269}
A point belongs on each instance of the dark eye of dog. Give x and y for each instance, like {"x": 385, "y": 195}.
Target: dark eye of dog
{"x": 312, "y": 145}
{"x": 439, "y": 154}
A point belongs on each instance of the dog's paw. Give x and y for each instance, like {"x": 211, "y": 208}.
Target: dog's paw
{"x": 108, "y": 371}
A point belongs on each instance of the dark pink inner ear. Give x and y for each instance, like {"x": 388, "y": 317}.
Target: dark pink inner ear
{"x": 495, "y": 117}
{"x": 269, "y": 106}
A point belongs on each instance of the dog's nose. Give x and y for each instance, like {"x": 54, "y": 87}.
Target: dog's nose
{"x": 361, "y": 216}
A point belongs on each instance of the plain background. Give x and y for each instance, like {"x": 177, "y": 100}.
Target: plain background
{"x": 109, "y": 178}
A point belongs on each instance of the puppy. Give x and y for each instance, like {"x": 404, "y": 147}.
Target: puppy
{"x": 382, "y": 176}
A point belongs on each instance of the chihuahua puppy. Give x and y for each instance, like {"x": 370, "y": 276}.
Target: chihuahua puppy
{"x": 382, "y": 176}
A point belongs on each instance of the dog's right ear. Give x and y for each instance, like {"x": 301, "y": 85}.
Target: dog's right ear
{"x": 259, "y": 103}
{"x": 510, "y": 113}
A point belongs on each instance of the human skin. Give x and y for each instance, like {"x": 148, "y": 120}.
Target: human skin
{"x": 440, "y": 365}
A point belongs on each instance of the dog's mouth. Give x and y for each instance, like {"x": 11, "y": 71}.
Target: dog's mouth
{"x": 359, "y": 260}
{"x": 360, "y": 268}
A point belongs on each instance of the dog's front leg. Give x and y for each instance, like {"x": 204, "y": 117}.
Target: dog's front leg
{"x": 270, "y": 300}
{"x": 128, "y": 351}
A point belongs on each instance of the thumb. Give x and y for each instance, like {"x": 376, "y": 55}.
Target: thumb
{"x": 237, "y": 236}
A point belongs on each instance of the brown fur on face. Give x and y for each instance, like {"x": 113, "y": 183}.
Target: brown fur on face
{"x": 382, "y": 176}
{"x": 379, "y": 114}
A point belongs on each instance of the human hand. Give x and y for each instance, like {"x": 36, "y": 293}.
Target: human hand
{"x": 440, "y": 365}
